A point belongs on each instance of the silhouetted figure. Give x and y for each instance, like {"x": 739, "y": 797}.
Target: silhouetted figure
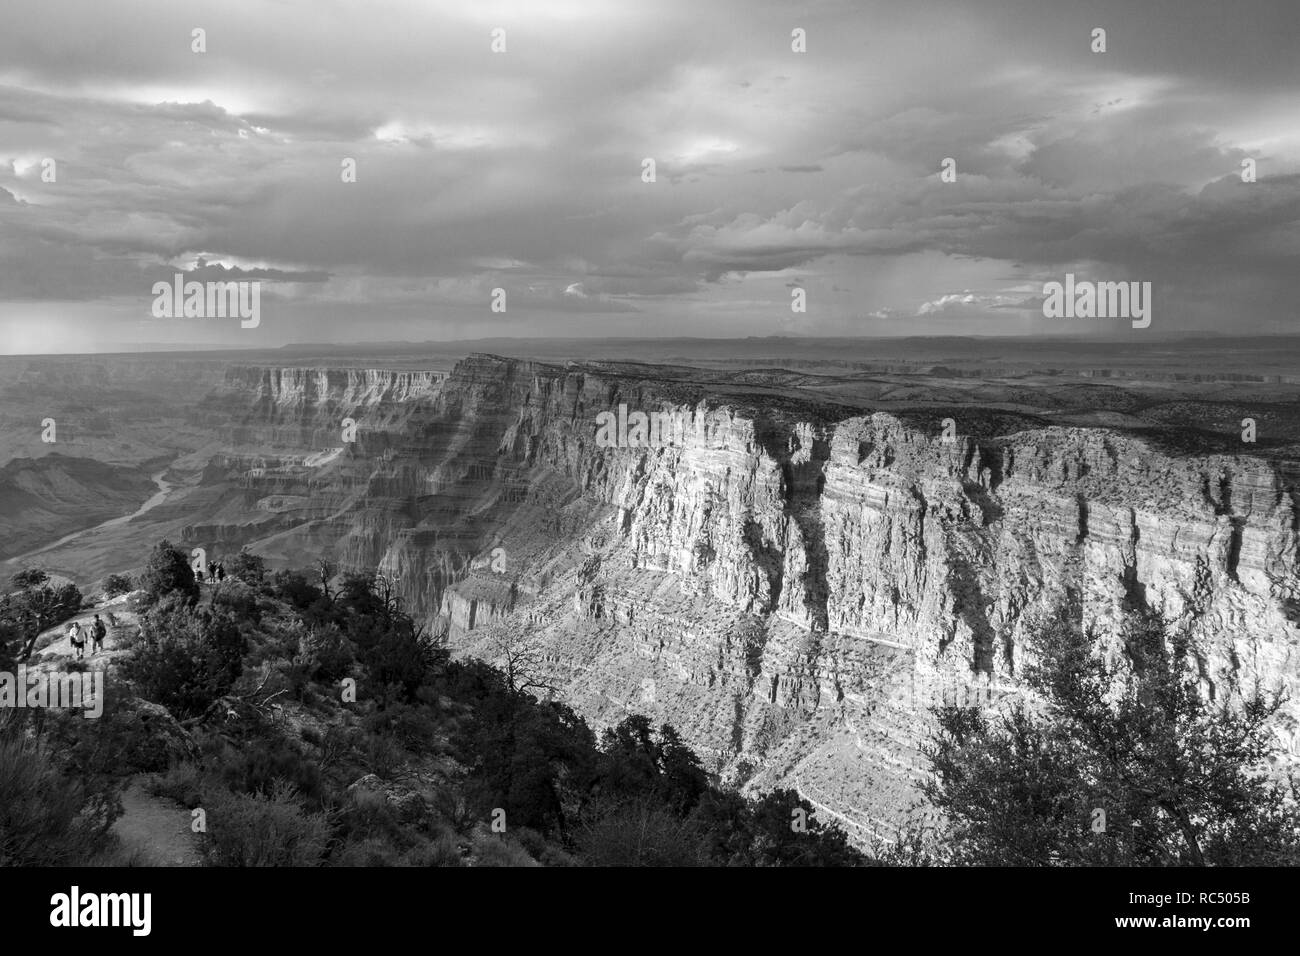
{"x": 221, "y": 573}
{"x": 97, "y": 634}
{"x": 198, "y": 575}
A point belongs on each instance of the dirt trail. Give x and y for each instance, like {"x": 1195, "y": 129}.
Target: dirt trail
{"x": 54, "y": 648}
{"x": 158, "y": 828}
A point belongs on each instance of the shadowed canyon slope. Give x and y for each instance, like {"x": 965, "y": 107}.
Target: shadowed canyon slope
{"x": 804, "y": 574}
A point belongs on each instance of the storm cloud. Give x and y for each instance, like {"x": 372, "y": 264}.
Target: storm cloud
{"x": 125, "y": 156}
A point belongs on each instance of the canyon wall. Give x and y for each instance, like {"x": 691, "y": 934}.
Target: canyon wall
{"x": 790, "y": 587}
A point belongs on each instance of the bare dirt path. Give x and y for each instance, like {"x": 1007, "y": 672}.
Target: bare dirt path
{"x": 157, "y": 828}
{"x": 53, "y": 648}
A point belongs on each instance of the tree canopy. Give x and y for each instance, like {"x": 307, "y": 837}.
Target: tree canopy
{"x": 1124, "y": 761}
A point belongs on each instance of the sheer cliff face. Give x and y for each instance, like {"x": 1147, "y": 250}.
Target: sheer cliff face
{"x": 349, "y": 387}
{"x": 788, "y": 592}
{"x": 306, "y": 407}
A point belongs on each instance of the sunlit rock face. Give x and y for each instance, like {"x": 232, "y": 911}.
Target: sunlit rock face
{"x": 791, "y": 589}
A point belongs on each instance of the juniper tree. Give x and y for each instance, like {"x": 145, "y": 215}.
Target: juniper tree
{"x": 1126, "y": 760}
{"x": 34, "y": 605}
{"x": 168, "y": 572}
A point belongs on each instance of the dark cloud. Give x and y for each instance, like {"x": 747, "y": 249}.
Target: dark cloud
{"x": 523, "y": 170}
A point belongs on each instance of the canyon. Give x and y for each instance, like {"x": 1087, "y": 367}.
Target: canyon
{"x": 795, "y": 582}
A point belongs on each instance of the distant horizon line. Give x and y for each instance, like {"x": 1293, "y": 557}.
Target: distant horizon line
{"x": 167, "y": 348}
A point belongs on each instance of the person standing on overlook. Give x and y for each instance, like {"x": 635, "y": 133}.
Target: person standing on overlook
{"x": 77, "y": 641}
{"x": 97, "y": 634}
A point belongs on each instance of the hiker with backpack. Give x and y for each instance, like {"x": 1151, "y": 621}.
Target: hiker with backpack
{"x": 97, "y": 634}
{"x": 76, "y": 639}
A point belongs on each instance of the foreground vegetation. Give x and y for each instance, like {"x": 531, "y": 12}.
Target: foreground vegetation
{"x": 304, "y": 719}
{"x": 1126, "y": 760}
{"x": 315, "y": 724}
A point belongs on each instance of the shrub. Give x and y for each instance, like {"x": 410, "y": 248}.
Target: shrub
{"x": 326, "y": 654}
{"x": 368, "y": 852}
{"x": 246, "y": 567}
{"x": 554, "y": 856}
{"x": 640, "y": 832}
{"x": 239, "y": 599}
{"x": 410, "y": 726}
{"x": 399, "y": 663}
{"x": 775, "y": 842}
{"x": 913, "y": 846}
{"x": 264, "y": 830}
{"x": 531, "y": 841}
{"x": 129, "y": 735}
{"x": 443, "y": 850}
{"x": 187, "y": 659}
{"x": 168, "y": 572}
{"x": 493, "y": 850}
{"x": 294, "y": 589}
{"x": 47, "y": 817}
{"x": 116, "y": 584}
{"x": 452, "y": 806}
{"x": 261, "y": 764}
{"x": 382, "y": 756}
{"x": 339, "y": 744}
{"x": 183, "y": 782}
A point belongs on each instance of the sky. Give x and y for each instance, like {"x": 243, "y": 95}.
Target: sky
{"x": 126, "y": 156}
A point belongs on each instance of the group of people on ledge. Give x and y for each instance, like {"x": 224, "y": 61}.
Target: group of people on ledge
{"x": 77, "y": 637}
{"x": 97, "y": 630}
{"x": 216, "y": 574}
